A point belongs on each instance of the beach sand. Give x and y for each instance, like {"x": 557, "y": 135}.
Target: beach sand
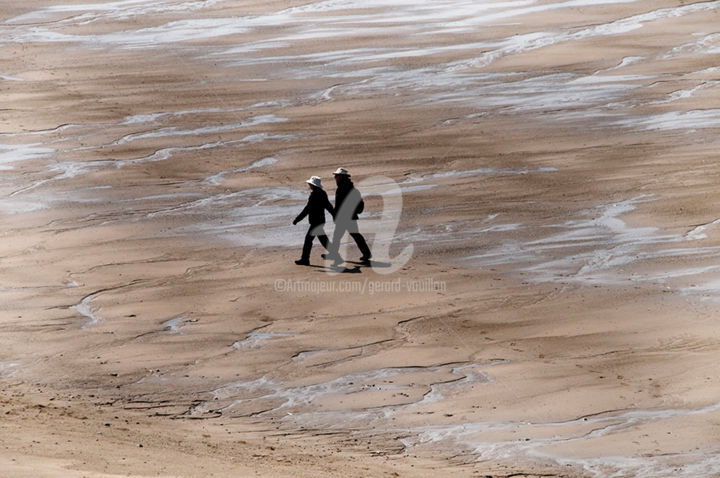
{"x": 556, "y": 315}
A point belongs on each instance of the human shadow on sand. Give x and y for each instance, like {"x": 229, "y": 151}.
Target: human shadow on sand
{"x": 372, "y": 264}
{"x": 337, "y": 269}
{"x": 356, "y": 267}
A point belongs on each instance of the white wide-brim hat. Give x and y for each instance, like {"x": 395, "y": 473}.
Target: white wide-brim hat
{"x": 315, "y": 181}
{"x": 341, "y": 171}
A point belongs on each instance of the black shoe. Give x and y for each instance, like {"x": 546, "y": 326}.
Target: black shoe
{"x": 302, "y": 262}
{"x": 365, "y": 258}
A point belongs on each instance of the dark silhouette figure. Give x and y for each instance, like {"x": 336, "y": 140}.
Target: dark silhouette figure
{"x": 348, "y": 204}
{"x": 315, "y": 210}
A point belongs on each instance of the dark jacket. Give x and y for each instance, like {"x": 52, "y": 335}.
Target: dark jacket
{"x": 346, "y": 194}
{"x": 315, "y": 209}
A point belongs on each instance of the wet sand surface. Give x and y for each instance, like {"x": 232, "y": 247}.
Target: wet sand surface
{"x": 555, "y": 315}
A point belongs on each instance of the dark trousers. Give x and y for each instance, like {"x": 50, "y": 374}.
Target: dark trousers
{"x": 318, "y": 231}
{"x": 352, "y": 228}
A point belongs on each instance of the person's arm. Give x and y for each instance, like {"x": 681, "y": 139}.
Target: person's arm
{"x": 329, "y": 207}
{"x": 357, "y": 198}
{"x": 302, "y": 214}
{"x": 339, "y": 198}
{"x": 360, "y": 207}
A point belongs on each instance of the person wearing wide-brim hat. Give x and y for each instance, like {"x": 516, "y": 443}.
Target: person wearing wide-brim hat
{"x": 315, "y": 211}
{"x": 348, "y": 204}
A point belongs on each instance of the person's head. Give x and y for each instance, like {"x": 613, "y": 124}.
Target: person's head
{"x": 341, "y": 175}
{"x": 314, "y": 183}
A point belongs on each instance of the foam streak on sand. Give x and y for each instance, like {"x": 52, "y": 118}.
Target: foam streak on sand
{"x": 685, "y": 94}
{"x": 538, "y": 440}
{"x": 255, "y": 339}
{"x": 9, "y": 369}
{"x": 537, "y": 40}
{"x": 449, "y": 82}
{"x": 117, "y": 10}
{"x": 84, "y": 309}
{"x": 173, "y": 326}
{"x": 687, "y": 120}
{"x": 172, "y": 131}
{"x": 252, "y": 217}
{"x": 10, "y": 154}
{"x": 700, "y": 232}
{"x": 317, "y": 404}
{"x": 707, "y": 45}
{"x": 309, "y": 405}
{"x": 218, "y": 179}
{"x": 595, "y": 248}
{"x": 166, "y": 153}
{"x": 151, "y": 118}
{"x": 445, "y": 16}
{"x": 248, "y": 198}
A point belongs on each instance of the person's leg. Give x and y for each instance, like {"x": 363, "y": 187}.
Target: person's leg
{"x": 324, "y": 241}
{"x": 319, "y": 232}
{"x": 333, "y": 251}
{"x": 360, "y": 241}
{"x": 362, "y": 245}
{"x": 307, "y": 247}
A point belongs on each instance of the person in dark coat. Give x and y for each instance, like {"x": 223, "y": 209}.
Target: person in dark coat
{"x": 348, "y": 204}
{"x": 315, "y": 211}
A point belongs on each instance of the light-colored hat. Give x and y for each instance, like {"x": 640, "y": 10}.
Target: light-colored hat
{"x": 315, "y": 181}
{"x": 341, "y": 171}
